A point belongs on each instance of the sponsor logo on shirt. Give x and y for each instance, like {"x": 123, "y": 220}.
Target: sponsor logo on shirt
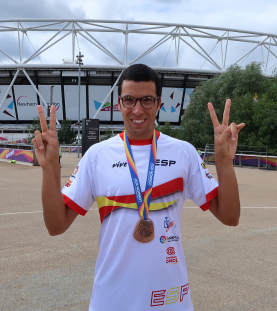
{"x": 170, "y": 251}
{"x": 168, "y": 224}
{"x": 171, "y": 259}
{"x": 72, "y": 177}
{"x": 208, "y": 175}
{"x": 165, "y": 162}
{"x": 120, "y": 164}
{"x": 173, "y": 238}
{"x": 162, "y": 239}
{"x": 166, "y": 297}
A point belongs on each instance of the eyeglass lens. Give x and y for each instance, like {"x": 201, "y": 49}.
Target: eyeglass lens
{"x": 146, "y": 102}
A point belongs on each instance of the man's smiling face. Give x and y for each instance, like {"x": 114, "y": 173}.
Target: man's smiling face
{"x": 139, "y": 122}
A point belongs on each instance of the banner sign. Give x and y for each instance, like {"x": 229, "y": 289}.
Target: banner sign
{"x": 71, "y": 93}
{"x": 7, "y": 111}
{"x": 56, "y": 100}
{"x": 18, "y": 155}
{"x": 97, "y": 94}
{"x": 171, "y": 103}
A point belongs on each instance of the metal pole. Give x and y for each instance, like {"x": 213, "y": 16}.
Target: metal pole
{"x": 266, "y": 157}
{"x": 51, "y": 100}
{"x": 5, "y": 96}
{"x": 104, "y": 101}
{"x": 51, "y": 95}
{"x": 79, "y": 61}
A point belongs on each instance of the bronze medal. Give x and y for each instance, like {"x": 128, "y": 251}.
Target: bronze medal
{"x": 144, "y": 231}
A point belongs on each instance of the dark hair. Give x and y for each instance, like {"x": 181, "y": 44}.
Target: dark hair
{"x": 138, "y": 73}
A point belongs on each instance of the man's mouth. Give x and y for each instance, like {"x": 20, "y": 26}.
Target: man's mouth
{"x": 138, "y": 121}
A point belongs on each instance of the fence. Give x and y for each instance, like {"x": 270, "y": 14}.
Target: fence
{"x": 249, "y": 156}
{"x": 71, "y": 149}
{"x": 25, "y": 153}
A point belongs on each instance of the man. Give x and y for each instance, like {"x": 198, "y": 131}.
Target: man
{"x": 141, "y": 264}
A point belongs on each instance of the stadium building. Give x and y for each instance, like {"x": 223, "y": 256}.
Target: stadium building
{"x": 39, "y": 66}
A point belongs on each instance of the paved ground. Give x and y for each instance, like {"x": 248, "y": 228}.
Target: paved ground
{"x": 230, "y": 269}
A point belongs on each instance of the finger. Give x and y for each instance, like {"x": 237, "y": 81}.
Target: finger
{"x": 226, "y": 134}
{"x": 39, "y": 140}
{"x": 234, "y": 131}
{"x": 42, "y": 119}
{"x": 53, "y": 118}
{"x": 226, "y": 113}
{"x": 35, "y": 144}
{"x": 240, "y": 126}
{"x": 213, "y": 115}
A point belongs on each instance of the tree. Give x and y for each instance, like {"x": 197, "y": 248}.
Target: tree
{"x": 265, "y": 114}
{"x": 34, "y": 126}
{"x": 66, "y": 134}
{"x": 167, "y": 129}
{"x": 106, "y": 134}
{"x": 241, "y": 86}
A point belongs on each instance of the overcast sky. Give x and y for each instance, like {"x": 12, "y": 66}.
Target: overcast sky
{"x": 254, "y": 15}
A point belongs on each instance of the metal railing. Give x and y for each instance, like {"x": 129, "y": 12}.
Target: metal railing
{"x": 246, "y": 156}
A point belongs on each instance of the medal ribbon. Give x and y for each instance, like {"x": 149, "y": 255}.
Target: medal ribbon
{"x": 143, "y": 202}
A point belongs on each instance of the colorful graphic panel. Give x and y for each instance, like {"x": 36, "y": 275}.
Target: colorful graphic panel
{"x": 71, "y": 149}
{"x": 18, "y": 155}
{"x": 26, "y": 102}
{"x": 171, "y": 104}
{"x": 71, "y": 94}
{"x": 251, "y": 160}
{"x": 188, "y": 92}
{"x": 7, "y": 111}
{"x": 117, "y": 116}
{"x": 97, "y": 94}
{"x": 247, "y": 160}
{"x": 57, "y": 98}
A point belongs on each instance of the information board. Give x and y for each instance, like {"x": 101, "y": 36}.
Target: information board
{"x": 90, "y": 133}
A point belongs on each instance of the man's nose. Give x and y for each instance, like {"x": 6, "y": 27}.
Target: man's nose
{"x": 138, "y": 108}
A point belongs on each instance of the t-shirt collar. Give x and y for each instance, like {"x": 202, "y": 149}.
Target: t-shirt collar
{"x": 140, "y": 142}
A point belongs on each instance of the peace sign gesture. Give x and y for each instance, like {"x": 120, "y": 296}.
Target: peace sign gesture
{"x": 225, "y": 136}
{"x": 46, "y": 143}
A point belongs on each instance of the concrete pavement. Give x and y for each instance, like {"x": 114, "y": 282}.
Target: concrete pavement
{"x": 229, "y": 268}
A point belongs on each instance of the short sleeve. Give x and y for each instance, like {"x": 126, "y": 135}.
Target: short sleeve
{"x": 79, "y": 191}
{"x": 200, "y": 186}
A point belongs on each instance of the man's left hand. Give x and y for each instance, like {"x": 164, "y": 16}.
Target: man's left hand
{"x": 225, "y": 136}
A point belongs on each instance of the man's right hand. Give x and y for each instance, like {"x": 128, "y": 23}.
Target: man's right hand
{"x": 57, "y": 216}
{"x": 46, "y": 143}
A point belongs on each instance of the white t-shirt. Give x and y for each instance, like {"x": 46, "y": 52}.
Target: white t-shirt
{"x": 130, "y": 275}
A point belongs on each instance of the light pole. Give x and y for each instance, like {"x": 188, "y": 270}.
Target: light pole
{"x": 80, "y": 62}
{"x": 51, "y": 101}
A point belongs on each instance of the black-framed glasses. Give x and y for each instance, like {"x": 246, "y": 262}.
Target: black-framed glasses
{"x": 146, "y": 102}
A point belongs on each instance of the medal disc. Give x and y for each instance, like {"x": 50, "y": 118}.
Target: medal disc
{"x": 144, "y": 231}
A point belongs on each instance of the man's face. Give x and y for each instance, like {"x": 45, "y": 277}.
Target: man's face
{"x": 139, "y": 122}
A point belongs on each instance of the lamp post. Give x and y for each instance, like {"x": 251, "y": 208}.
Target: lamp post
{"x": 80, "y": 62}
{"x": 51, "y": 101}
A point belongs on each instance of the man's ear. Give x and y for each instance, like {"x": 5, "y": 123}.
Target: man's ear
{"x": 159, "y": 104}
{"x": 118, "y": 103}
